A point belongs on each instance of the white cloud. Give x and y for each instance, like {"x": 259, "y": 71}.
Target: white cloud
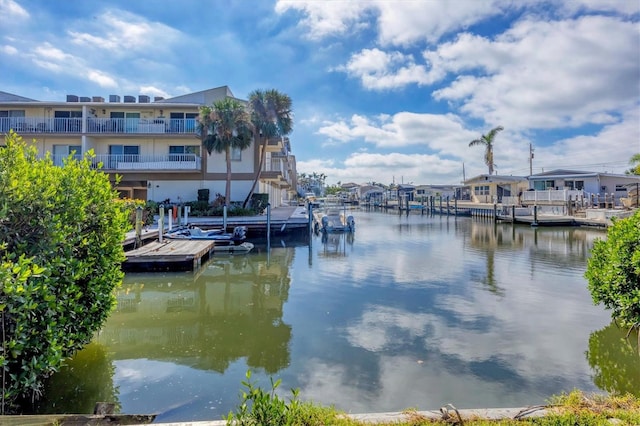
{"x": 9, "y": 50}
{"x": 625, "y": 7}
{"x": 329, "y": 18}
{"x": 545, "y": 74}
{"x": 442, "y": 133}
{"x": 380, "y": 70}
{"x": 102, "y": 79}
{"x": 125, "y": 34}
{"x": 154, "y": 91}
{"x": 396, "y": 167}
{"x": 11, "y": 11}
{"x": 593, "y": 152}
{"x": 404, "y": 23}
{"x": 408, "y": 22}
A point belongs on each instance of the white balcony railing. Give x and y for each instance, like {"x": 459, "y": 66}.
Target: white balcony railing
{"x": 142, "y": 162}
{"x": 98, "y": 125}
{"x": 551, "y": 195}
{"x": 278, "y": 164}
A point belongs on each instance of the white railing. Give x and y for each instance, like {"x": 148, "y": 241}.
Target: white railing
{"x": 551, "y": 195}
{"x": 278, "y": 164}
{"x": 149, "y": 162}
{"x": 98, "y": 125}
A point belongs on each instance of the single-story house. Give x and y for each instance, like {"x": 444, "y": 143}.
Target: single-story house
{"x": 590, "y": 183}
{"x": 494, "y": 188}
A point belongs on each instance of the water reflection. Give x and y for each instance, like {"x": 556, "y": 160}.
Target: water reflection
{"x": 420, "y": 311}
{"x": 69, "y": 391}
{"x": 615, "y": 360}
{"x": 229, "y": 309}
{"x": 336, "y": 244}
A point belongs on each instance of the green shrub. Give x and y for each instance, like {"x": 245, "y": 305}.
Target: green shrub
{"x": 61, "y": 233}
{"x": 259, "y": 202}
{"x": 613, "y": 271}
{"x": 203, "y": 195}
{"x": 260, "y": 407}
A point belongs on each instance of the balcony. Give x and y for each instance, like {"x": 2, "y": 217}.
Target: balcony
{"x": 277, "y": 170}
{"x": 107, "y": 126}
{"x": 550, "y": 196}
{"x": 131, "y": 162}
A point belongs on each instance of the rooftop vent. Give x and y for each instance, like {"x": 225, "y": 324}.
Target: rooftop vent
{"x": 85, "y": 99}
{"x": 114, "y": 98}
{"x": 158, "y": 98}
{"x": 72, "y": 98}
{"x": 129, "y": 99}
{"x": 143, "y": 99}
{"x": 98, "y": 99}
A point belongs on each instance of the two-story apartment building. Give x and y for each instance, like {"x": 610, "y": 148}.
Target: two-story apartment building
{"x": 153, "y": 145}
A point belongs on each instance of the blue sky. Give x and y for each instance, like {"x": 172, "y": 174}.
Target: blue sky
{"x": 384, "y": 91}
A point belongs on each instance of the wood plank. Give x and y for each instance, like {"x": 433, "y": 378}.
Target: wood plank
{"x": 180, "y": 253}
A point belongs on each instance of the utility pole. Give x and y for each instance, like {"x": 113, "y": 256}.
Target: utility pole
{"x": 464, "y": 177}
{"x": 530, "y": 160}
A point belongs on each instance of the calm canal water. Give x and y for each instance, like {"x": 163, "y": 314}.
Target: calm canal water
{"x": 411, "y": 311}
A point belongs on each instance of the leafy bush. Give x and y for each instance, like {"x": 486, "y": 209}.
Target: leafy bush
{"x": 259, "y": 202}
{"x": 613, "y": 271}
{"x": 61, "y": 233}
{"x": 259, "y": 407}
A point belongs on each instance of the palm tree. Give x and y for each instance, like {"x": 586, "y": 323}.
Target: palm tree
{"x": 272, "y": 117}
{"x": 224, "y": 126}
{"x": 487, "y": 141}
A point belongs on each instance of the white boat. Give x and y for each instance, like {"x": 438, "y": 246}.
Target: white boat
{"x": 333, "y": 219}
{"x": 224, "y": 241}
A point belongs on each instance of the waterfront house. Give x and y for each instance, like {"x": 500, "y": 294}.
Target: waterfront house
{"x": 495, "y": 188}
{"x": 597, "y": 188}
{"x": 152, "y": 144}
{"x": 424, "y": 192}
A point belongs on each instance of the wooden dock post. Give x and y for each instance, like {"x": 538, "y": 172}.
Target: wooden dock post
{"x": 161, "y": 222}
{"x": 447, "y": 205}
{"x": 455, "y": 202}
{"x": 495, "y": 212}
{"x": 138, "y": 227}
{"x": 513, "y": 214}
{"x": 535, "y": 216}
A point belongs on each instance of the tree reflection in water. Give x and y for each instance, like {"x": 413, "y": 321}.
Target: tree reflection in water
{"x": 230, "y": 309}
{"x": 615, "y": 360}
{"x": 69, "y": 390}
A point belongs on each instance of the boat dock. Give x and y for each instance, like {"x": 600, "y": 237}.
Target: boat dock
{"x": 169, "y": 255}
{"x": 280, "y": 220}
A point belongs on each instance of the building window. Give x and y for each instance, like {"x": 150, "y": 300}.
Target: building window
{"x": 621, "y": 188}
{"x": 542, "y": 185}
{"x": 574, "y": 184}
{"x": 183, "y": 152}
{"x": 61, "y": 152}
{"x": 123, "y": 154}
{"x": 236, "y": 154}
{"x": 12, "y": 119}
{"x": 482, "y": 190}
{"x": 181, "y": 122}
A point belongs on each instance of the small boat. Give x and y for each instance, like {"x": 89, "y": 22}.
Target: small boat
{"x": 333, "y": 220}
{"x": 224, "y": 241}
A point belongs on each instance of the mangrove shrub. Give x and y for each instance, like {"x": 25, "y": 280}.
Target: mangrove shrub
{"x": 613, "y": 271}
{"x": 61, "y": 233}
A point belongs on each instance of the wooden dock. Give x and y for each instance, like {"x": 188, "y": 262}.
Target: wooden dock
{"x": 170, "y": 255}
